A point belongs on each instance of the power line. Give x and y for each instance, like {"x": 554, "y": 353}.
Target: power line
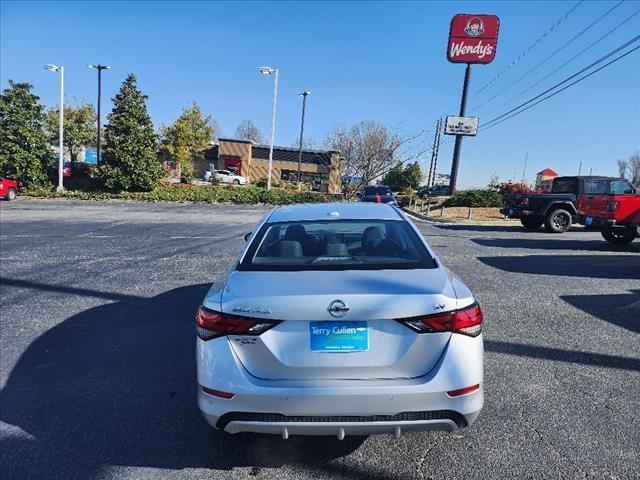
{"x": 553, "y": 54}
{"x": 566, "y": 87}
{"x": 613, "y": 52}
{"x": 532, "y": 46}
{"x": 564, "y": 64}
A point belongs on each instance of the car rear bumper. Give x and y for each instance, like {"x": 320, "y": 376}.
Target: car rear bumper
{"x": 513, "y": 213}
{"x": 236, "y": 422}
{"x": 341, "y": 407}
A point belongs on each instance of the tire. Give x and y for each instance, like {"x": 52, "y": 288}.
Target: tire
{"x": 558, "y": 221}
{"x": 619, "y": 236}
{"x": 12, "y": 194}
{"x": 531, "y": 223}
{"x": 236, "y": 182}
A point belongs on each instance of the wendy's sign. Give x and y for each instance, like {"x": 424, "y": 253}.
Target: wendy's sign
{"x": 473, "y": 38}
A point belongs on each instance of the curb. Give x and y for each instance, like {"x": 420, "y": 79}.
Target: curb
{"x": 424, "y": 218}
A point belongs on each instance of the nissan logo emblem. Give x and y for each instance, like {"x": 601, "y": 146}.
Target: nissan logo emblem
{"x": 338, "y": 308}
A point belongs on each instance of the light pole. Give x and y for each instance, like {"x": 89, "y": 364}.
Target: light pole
{"x": 269, "y": 71}
{"x": 99, "y": 68}
{"x": 56, "y": 68}
{"x": 304, "y": 96}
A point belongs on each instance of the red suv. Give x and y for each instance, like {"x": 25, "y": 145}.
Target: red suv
{"x": 613, "y": 207}
{"x": 8, "y": 189}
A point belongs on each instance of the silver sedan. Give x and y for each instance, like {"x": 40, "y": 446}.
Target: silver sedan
{"x": 339, "y": 319}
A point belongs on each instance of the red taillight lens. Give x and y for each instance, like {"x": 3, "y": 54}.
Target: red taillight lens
{"x": 467, "y": 321}
{"x": 463, "y": 391}
{"x": 211, "y": 324}
{"x": 217, "y": 393}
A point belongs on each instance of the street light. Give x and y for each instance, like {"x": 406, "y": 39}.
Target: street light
{"x": 99, "y": 68}
{"x": 269, "y": 71}
{"x": 56, "y": 68}
{"x": 304, "y": 96}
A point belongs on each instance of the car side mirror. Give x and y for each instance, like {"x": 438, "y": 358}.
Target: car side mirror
{"x": 247, "y": 235}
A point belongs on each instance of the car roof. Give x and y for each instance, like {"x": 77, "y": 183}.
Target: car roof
{"x": 337, "y": 211}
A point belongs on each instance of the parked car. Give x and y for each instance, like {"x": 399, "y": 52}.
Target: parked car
{"x": 339, "y": 319}
{"x": 66, "y": 170}
{"x": 8, "y": 189}
{"x": 613, "y": 207}
{"x": 378, "y": 194}
{"x": 225, "y": 176}
{"x": 433, "y": 191}
{"x": 556, "y": 210}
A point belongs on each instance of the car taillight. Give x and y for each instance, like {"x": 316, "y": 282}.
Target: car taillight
{"x": 612, "y": 206}
{"x": 211, "y": 324}
{"x": 467, "y": 321}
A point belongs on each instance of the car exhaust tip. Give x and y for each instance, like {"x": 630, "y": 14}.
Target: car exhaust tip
{"x": 397, "y": 431}
{"x": 285, "y": 433}
{"x": 341, "y": 434}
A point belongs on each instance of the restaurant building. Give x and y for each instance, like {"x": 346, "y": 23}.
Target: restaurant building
{"x": 320, "y": 168}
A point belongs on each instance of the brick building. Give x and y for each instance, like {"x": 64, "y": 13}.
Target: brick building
{"x": 321, "y": 168}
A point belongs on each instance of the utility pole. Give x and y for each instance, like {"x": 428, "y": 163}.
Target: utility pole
{"x": 580, "y": 167}
{"x": 437, "y": 151}
{"x": 304, "y": 96}
{"x": 524, "y": 170}
{"x": 433, "y": 153}
{"x": 458, "y": 144}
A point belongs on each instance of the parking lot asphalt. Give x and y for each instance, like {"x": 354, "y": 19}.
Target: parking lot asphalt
{"x": 97, "y": 371}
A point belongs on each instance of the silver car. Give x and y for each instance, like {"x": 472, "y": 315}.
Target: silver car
{"x": 339, "y": 319}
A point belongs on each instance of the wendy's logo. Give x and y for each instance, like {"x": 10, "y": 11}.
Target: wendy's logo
{"x": 475, "y": 27}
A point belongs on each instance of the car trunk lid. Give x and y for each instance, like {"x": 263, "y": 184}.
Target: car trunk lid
{"x": 374, "y": 299}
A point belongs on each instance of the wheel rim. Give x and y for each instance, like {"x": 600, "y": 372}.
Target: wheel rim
{"x": 560, "y": 221}
{"x": 12, "y": 194}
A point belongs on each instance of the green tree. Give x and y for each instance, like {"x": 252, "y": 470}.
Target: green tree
{"x": 187, "y": 139}
{"x": 403, "y": 176}
{"x": 24, "y": 151}
{"x": 79, "y": 127}
{"x": 129, "y": 158}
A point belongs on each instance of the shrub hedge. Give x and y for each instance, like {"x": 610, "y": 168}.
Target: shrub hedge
{"x": 474, "y": 198}
{"x": 189, "y": 193}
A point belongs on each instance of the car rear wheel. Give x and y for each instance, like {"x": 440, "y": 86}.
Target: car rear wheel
{"x": 532, "y": 223}
{"x": 12, "y": 194}
{"x": 619, "y": 236}
{"x": 236, "y": 182}
{"x": 558, "y": 221}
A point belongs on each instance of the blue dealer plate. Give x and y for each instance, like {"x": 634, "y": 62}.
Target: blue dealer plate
{"x": 338, "y": 336}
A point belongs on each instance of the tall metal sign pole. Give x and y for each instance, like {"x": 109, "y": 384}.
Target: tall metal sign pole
{"x": 472, "y": 39}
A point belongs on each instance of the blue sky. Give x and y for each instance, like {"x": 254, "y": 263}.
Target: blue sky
{"x": 362, "y": 61}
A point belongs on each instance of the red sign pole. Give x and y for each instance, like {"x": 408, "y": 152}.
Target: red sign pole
{"x": 472, "y": 39}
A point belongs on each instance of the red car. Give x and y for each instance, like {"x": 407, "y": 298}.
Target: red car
{"x": 612, "y": 207}
{"x": 8, "y": 189}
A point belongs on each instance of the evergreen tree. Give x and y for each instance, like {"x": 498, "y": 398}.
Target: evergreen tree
{"x": 129, "y": 158}
{"x": 25, "y": 154}
{"x": 401, "y": 177}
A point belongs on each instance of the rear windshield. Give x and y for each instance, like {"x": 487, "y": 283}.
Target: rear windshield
{"x": 563, "y": 185}
{"x": 595, "y": 186}
{"x": 377, "y": 191}
{"x": 337, "y": 245}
